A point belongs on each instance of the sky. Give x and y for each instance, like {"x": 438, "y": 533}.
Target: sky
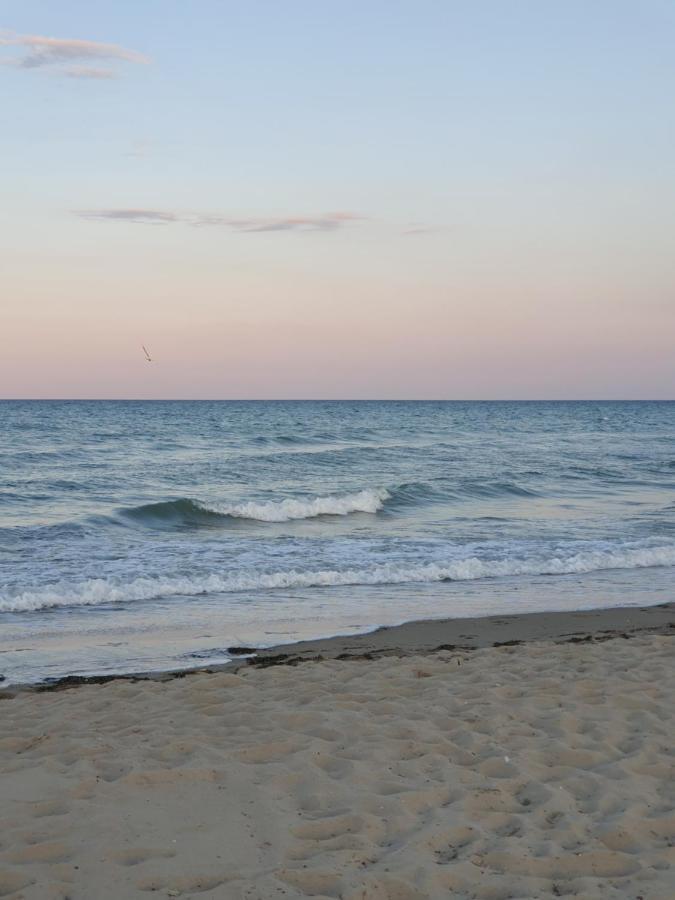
{"x": 452, "y": 199}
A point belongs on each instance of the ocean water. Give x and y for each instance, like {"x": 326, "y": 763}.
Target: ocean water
{"x": 139, "y": 536}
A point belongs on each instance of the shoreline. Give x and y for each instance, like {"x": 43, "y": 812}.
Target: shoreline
{"x": 417, "y": 637}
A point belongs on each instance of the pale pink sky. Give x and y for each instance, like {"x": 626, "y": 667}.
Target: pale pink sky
{"x": 420, "y": 201}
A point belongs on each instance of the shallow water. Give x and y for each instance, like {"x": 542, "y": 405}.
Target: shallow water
{"x": 152, "y": 535}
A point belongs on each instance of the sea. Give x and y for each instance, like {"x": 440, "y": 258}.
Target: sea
{"x": 140, "y": 536}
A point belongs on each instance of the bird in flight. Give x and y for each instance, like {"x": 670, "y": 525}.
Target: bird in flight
{"x": 147, "y": 355}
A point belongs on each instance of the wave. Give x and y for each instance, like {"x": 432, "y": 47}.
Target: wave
{"x": 172, "y": 512}
{"x": 367, "y": 501}
{"x": 193, "y": 512}
{"x": 99, "y": 591}
{"x": 187, "y": 511}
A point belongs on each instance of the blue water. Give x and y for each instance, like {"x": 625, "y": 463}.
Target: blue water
{"x": 152, "y": 535}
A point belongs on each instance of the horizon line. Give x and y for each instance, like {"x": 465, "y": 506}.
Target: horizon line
{"x": 337, "y": 400}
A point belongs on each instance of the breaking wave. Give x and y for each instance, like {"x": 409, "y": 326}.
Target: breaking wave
{"x": 193, "y": 512}
{"x": 95, "y": 592}
{"x": 368, "y": 501}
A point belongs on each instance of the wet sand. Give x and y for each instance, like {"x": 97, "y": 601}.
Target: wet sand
{"x": 474, "y": 633}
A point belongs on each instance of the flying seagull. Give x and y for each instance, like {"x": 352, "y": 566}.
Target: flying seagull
{"x": 147, "y": 355}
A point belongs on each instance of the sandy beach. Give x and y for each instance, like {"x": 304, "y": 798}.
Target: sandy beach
{"x": 542, "y": 768}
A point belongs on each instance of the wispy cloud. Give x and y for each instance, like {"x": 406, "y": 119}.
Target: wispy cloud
{"x": 139, "y": 216}
{"x": 422, "y": 229}
{"x": 38, "y": 51}
{"x": 88, "y": 72}
{"x": 325, "y": 222}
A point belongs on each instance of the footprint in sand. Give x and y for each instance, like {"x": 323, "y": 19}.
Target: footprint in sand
{"x": 324, "y": 829}
{"x": 50, "y": 808}
{"x": 48, "y": 852}
{"x": 132, "y": 856}
{"x": 452, "y": 843}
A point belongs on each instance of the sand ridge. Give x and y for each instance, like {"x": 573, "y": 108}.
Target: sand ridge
{"x": 541, "y": 770}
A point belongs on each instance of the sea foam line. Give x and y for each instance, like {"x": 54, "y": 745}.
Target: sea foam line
{"x": 97, "y": 591}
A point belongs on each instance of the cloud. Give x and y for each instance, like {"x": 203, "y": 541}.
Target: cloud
{"x": 326, "y": 222}
{"x": 38, "y": 51}
{"x": 139, "y": 216}
{"x": 88, "y": 72}
{"x": 423, "y": 229}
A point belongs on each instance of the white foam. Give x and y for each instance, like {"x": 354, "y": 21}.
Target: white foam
{"x": 94, "y": 592}
{"x": 368, "y": 501}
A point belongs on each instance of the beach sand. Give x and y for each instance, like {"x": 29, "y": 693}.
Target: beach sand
{"x": 535, "y": 769}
